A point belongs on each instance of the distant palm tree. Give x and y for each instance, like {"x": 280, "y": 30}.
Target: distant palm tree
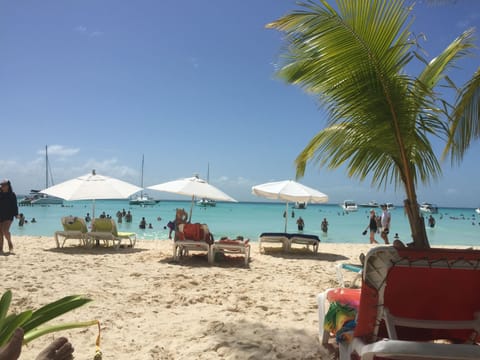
{"x": 380, "y": 119}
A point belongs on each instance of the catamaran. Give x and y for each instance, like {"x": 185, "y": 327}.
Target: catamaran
{"x": 35, "y": 197}
{"x": 143, "y": 199}
{"x": 207, "y": 202}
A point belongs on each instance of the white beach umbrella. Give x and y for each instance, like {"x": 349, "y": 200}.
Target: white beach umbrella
{"x": 92, "y": 187}
{"x": 194, "y": 187}
{"x": 289, "y": 190}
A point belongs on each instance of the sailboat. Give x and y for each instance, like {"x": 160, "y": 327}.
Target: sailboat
{"x": 142, "y": 199}
{"x": 35, "y": 197}
{"x": 207, "y": 202}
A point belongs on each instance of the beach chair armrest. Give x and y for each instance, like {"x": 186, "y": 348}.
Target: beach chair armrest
{"x": 339, "y": 271}
{"x": 392, "y": 321}
{"x": 323, "y": 335}
{"x": 400, "y": 349}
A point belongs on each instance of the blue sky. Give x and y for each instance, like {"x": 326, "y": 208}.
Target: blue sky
{"x": 187, "y": 84}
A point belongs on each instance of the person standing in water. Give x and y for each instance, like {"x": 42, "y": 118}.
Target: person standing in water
{"x": 300, "y": 224}
{"x": 324, "y": 225}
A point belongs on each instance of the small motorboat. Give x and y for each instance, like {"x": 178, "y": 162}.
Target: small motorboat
{"x": 300, "y": 205}
{"x": 143, "y": 200}
{"x": 349, "y": 205}
{"x": 428, "y": 208}
{"x": 206, "y": 203}
{"x": 370, "y": 204}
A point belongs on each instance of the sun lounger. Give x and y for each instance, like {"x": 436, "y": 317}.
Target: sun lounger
{"x": 106, "y": 230}
{"x": 349, "y": 267}
{"x": 287, "y": 240}
{"x": 231, "y": 246}
{"x": 304, "y": 239}
{"x": 415, "y": 304}
{"x": 274, "y": 238}
{"x": 192, "y": 237}
{"x": 73, "y": 228}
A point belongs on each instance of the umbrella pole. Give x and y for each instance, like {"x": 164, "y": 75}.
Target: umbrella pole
{"x": 93, "y": 209}
{"x": 191, "y": 209}
{"x": 286, "y": 215}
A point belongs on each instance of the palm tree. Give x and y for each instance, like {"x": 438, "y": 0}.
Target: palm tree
{"x": 380, "y": 119}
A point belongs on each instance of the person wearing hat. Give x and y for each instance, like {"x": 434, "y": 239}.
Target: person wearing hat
{"x": 8, "y": 211}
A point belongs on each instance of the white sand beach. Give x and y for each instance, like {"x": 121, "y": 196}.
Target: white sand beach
{"x": 152, "y": 308}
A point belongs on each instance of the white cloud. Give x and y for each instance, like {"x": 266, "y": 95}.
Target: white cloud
{"x": 81, "y": 29}
{"x": 59, "y": 150}
{"x": 194, "y": 62}
{"x": 96, "y": 33}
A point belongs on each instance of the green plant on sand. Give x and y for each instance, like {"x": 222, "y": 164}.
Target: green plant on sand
{"x": 31, "y": 321}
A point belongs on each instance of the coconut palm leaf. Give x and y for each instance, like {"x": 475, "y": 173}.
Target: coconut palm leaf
{"x": 465, "y": 125}
{"x": 380, "y": 119}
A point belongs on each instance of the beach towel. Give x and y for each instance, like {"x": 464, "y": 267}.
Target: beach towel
{"x": 340, "y": 321}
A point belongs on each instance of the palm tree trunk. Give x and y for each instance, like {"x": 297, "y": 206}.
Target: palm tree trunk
{"x": 417, "y": 223}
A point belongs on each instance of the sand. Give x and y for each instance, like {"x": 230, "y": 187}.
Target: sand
{"x": 153, "y": 308}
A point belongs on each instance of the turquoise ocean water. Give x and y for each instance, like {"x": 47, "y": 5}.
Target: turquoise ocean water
{"x": 454, "y": 226}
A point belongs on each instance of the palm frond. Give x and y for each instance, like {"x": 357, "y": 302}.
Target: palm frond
{"x": 465, "y": 125}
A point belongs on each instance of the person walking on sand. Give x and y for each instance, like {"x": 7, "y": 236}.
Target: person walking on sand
{"x": 386, "y": 221}
{"x": 373, "y": 227}
{"x": 8, "y": 211}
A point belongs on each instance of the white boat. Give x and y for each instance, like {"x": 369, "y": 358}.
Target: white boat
{"x": 142, "y": 199}
{"x": 390, "y": 206}
{"x": 206, "y": 202}
{"x": 428, "y": 208}
{"x": 300, "y": 205}
{"x": 349, "y": 205}
{"x": 37, "y": 198}
{"x": 477, "y": 210}
{"x": 370, "y": 204}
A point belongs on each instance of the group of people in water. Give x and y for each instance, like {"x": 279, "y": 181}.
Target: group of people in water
{"x": 124, "y": 215}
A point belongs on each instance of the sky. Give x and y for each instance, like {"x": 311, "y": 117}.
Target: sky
{"x": 190, "y": 85}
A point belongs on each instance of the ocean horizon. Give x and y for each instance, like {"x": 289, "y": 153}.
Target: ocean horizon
{"x": 454, "y": 226}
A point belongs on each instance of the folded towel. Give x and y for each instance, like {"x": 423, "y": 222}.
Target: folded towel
{"x": 233, "y": 242}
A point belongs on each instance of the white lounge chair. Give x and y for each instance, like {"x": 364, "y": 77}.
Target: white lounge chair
{"x": 106, "y": 230}
{"x": 304, "y": 239}
{"x": 274, "y": 238}
{"x": 73, "y": 228}
{"x": 192, "y": 237}
{"x": 231, "y": 246}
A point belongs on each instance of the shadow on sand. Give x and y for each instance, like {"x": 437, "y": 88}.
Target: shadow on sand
{"x": 100, "y": 250}
{"x": 299, "y": 253}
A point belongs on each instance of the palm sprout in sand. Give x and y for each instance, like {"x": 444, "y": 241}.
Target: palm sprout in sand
{"x": 380, "y": 119}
